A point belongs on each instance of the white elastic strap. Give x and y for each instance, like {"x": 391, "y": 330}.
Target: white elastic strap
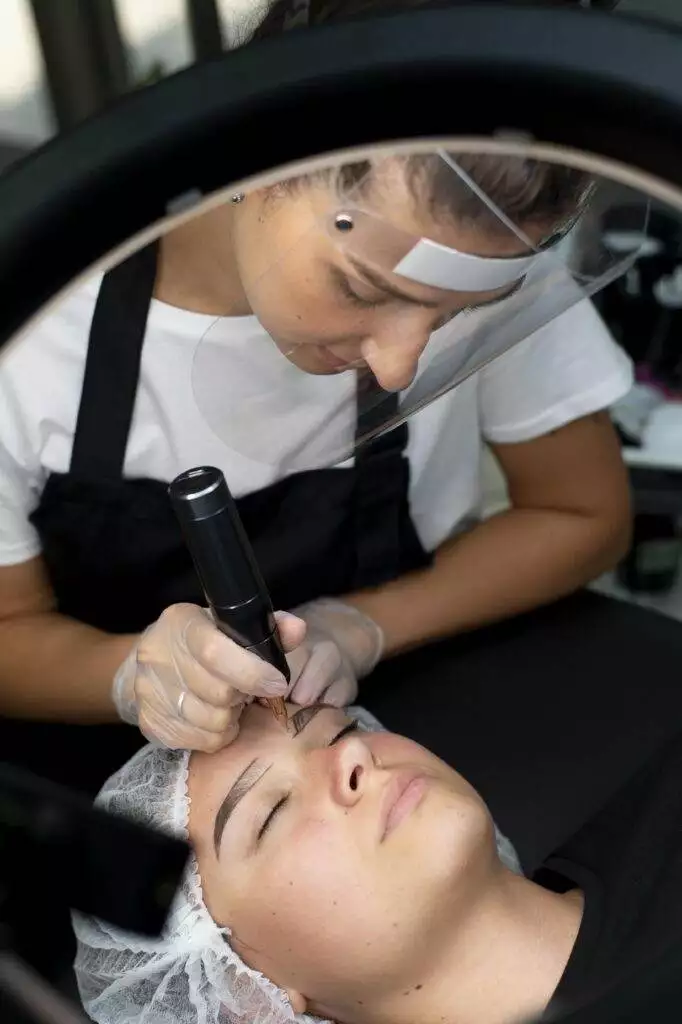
{"x": 438, "y": 266}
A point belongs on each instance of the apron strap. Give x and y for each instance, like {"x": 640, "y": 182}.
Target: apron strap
{"x": 112, "y": 366}
{"x": 382, "y": 475}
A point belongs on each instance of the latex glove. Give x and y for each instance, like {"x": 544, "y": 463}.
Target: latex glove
{"x": 185, "y": 684}
{"x": 341, "y": 646}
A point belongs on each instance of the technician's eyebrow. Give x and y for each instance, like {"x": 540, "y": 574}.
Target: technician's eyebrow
{"x": 253, "y": 773}
{"x": 380, "y": 282}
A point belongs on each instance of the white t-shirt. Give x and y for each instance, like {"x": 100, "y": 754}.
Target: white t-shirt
{"x": 568, "y": 369}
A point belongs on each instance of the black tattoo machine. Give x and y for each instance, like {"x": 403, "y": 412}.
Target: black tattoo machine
{"x": 227, "y": 568}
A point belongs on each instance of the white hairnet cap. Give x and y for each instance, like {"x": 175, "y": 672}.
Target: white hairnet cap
{"x": 191, "y": 975}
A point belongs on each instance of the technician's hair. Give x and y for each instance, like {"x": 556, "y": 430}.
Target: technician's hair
{"x": 528, "y": 191}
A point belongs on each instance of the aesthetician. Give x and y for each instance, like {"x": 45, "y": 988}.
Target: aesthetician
{"x": 316, "y": 300}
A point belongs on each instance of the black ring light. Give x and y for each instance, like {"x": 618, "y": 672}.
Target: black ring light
{"x": 593, "y": 82}
{"x": 590, "y": 81}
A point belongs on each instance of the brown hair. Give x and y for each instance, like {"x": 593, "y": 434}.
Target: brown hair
{"x": 527, "y": 191}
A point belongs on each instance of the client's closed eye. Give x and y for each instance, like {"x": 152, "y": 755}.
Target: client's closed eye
{"x": 271, "y": 816}
{"x": 351, "y": 727}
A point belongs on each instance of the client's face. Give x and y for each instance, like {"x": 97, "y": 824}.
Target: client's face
{"x": 332, "y": 853}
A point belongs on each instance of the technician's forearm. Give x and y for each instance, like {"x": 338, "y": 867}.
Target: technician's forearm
{"x": 54, "y": 668}
{"x": 509, "y": 564}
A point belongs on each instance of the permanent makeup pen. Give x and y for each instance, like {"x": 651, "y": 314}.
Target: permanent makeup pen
{"x": 227, "y": 568}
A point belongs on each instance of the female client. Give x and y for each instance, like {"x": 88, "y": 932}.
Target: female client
{"x": 352, "y": 875}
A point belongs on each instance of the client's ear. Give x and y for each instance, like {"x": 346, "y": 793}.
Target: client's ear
{"x": 299, "y": 1003}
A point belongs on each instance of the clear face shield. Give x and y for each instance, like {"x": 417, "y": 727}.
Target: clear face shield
{"x": 387, "y": 283}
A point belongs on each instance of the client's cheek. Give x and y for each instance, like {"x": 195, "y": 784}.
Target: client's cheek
{"x": 307, "y": 897}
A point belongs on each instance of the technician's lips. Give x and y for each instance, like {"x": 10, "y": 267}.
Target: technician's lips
{"x": 338, "y": 363}
{"x": 403, "y": 794}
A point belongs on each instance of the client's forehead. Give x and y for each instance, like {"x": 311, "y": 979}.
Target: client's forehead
{"x": 261, "y": 734}
{"x": 257, "y": 717}
{"x": 258, "y": 723}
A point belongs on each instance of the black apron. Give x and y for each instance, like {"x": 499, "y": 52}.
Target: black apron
{"x": 114, "y": 550}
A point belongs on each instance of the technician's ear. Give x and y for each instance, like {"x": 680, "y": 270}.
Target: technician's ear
{"x": 299, "y": 1003}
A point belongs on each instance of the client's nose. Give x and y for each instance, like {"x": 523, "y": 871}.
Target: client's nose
{"x": 351, "y": 765}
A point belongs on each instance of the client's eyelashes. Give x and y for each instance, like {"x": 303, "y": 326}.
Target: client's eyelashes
{"x": 351, "y": 727}
{"x": 271, "y": 816}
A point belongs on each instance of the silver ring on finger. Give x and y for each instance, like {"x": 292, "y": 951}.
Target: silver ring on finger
{"x": 181, "y": 701}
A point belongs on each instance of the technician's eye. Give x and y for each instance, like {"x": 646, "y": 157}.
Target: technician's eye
{"x": 501, "y": 298}
{"x": 349, "y": 293}
{"x": 353, "y": 727}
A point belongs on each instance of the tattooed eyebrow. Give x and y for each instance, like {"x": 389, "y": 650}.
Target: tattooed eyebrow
{"x": 252, "y": 774}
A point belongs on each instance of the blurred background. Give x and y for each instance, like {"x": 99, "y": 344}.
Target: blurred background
{"x": 121, "y": 44}
{"x": 61, "y": 60}
{"x": 124, "y": 43}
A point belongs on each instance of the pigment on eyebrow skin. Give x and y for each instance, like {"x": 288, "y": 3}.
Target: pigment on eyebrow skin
{"x": 278, "y": 707}
{"x": 303, "y": 716}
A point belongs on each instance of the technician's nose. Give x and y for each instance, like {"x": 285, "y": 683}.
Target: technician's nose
{"x": 351, "y": 765}
{"x": 394, "y": 361}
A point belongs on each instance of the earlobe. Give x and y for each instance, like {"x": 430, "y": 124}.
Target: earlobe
{"x": 299, "y": 1003}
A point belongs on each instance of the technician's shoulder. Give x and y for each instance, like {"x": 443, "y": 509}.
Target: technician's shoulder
{"x": 578, "y": 345}
{"x": 568, "y": 368}
{"x": 576, "y": 333}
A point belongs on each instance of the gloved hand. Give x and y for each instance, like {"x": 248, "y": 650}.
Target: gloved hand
{"x": 185, "y": 684}
{"x": 341, "y": 646}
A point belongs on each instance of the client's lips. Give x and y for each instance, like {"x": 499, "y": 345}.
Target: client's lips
{"x": 403, "y": 794}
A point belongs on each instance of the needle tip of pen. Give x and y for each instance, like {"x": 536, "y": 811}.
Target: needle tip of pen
{"x": 279, "y": 709}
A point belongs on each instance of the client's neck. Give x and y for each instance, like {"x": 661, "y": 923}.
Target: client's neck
{"x": 501, "y": 964}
